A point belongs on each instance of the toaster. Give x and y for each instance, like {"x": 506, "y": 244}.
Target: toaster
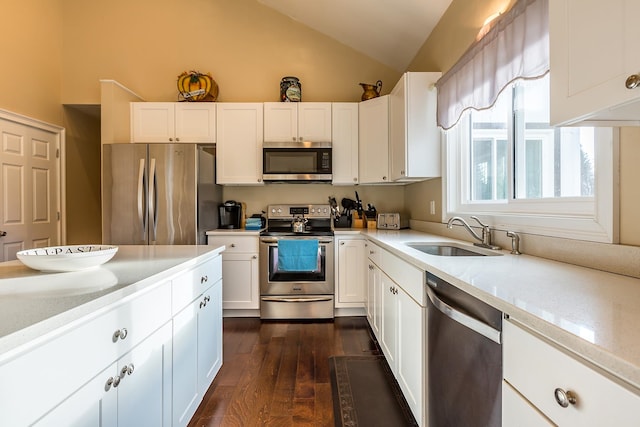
{"x": 392, "y": 221}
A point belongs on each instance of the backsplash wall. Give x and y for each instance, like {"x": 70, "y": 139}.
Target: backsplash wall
{"x": 388, "y": 198}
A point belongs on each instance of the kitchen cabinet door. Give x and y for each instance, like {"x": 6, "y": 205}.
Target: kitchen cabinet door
{"x": 210, "y": 337}
{"x": 517, "y": 411}
{"x": 389, "y": 321}
{"x": 414, "y": 136}
{"x": 593, "y": 50}
{"x": 195, "y": 122}
{"x": 239, "y": 143}
{"x": 373, "y": 144}
{"x": 281, "y": 121}
{"x": 350, "y": 271}
{"x": 411, "y": 354}
{"x": 314, "y": 121}
{"x": 344, "y": 129}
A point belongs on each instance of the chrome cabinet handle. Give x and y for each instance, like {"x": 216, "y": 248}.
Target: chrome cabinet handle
{"x": 120, "y": 333}
{"x": 207, "y": 298}
{"x": 130, "y": 368}
{"x": 633, "y": 81}
{"x": 108, "y": 384}
{"x": 565, "y": 398}
{"x": 204, "y": 279}
{"x": 116, "y": 381}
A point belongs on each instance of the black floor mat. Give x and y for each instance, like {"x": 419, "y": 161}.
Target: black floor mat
{"x": 366, "y": 394}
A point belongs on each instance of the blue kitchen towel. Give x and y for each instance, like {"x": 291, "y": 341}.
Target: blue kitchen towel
{"x": 298, "y": 255}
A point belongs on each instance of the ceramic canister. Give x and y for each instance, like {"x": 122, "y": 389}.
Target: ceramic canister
{"x": 290, "y": 89}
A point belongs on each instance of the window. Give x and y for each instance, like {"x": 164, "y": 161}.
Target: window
{"x": 509, "y": 166}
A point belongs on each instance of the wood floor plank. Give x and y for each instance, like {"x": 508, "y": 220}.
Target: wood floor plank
{"x": 277, "y": 373}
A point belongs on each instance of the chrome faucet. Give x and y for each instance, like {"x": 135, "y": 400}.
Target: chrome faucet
{"x": 484, "y": 239}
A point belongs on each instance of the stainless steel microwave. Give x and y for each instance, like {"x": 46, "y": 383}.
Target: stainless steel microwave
{"x": 296, "y": 162}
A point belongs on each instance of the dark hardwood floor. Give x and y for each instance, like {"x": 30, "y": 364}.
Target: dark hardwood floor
{"x": 277, "y": 373}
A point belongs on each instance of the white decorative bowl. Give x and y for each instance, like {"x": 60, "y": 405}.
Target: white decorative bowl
{"x": 67, "y": 258}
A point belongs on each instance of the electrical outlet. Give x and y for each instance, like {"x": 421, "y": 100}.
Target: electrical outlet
{"x": 432, "y": 207}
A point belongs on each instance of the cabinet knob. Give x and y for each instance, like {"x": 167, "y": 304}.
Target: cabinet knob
{"x": 259, "y": 179}
{"x": 300, "y": 139}
{"x": 341, "y": 243}
{"x": 564, "y": 398}
{"x": 355, "y": 179}
{"x": 402, "y": 173}
{"x": 204, "y": 279}
{"x": 3, "y": 233}
{"x": 255, "y": 257}
{"x": 170, "y": 139}
{"x": 633, "y": 81}
{"x": 294, "y": 139}
{"x": 116, "y": 381}
{"x": 120, "y": 333}
{"x": 177, "y": 139}
{"x": 384, "y": 178}
{"x": 370, "y": 267}
{"x": 233, "y": 245}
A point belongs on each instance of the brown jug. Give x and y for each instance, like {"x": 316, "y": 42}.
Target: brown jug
{"x": 371, "y": 91}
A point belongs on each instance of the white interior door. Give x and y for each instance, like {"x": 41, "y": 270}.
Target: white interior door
{"x": 29, "y": 188}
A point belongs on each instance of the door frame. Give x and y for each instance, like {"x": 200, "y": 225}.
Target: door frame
{"x": 59, "y": 133}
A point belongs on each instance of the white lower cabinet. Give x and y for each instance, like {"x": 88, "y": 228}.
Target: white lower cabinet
{"x": 518, "y": 411}
{"x": 197, "y": 344}
{"x": 350, "y": 272}
{"x": 559, "y": 385}
{"x": 134, "y": 391}
{"x": 240, "y": 269}
{"x": 396, "y": 311}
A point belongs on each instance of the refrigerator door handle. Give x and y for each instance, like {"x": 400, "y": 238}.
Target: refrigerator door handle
{"x": 142, "y": 198}
{"x": 153, "y": 198}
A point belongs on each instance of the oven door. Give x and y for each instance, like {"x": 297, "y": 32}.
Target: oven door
{"x": 275, "y": 281}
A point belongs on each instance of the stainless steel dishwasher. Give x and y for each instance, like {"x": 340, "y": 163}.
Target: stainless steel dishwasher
{"x": 464, "y": 358}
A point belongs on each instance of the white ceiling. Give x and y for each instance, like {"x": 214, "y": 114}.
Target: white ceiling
{"x": 390, "y": 31}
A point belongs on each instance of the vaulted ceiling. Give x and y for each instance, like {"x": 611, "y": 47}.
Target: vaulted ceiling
{"x": 389, "y": 31}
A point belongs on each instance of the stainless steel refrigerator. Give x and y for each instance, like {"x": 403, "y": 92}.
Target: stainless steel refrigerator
{"x": 158, "y": 194}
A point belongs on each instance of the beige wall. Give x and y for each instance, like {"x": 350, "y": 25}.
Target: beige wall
{"x": 31, "y": 46}
{"x": 247, "y": 47}
{"x": 82, "y": 159}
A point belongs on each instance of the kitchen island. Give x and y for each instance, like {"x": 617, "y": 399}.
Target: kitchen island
{"x": 68, "y": 340}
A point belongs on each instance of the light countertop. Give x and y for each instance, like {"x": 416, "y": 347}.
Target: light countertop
{"x": 592, "y": 313}
{"x": 233, "y": 232}
{"x": 33, "y": 303}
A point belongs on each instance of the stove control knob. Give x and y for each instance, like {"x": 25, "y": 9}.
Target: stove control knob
{"x": 279, "y": 210}
{"x": 313, "y": 210}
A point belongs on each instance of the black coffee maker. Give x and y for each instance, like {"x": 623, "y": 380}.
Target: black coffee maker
{"x": 230, "y": 214}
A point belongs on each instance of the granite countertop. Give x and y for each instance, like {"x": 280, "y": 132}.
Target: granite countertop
{"x": 33, "y": 303}
{"x": 590, "y": 312}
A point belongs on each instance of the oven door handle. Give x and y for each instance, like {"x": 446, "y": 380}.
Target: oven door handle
{"x": 284, "y": 299}
{"x": 276, "y": 241}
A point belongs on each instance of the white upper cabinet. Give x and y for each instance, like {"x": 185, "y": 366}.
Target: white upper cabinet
{"x": 188, "y": 122}
{"x": 414, "y": 141}
{"x": 297, "y": 122}
{"x": 373, "y": 145}
{"x": 239, "y": 146}
{"x": 345, "y": 143}
{"x": 593, "y": 51}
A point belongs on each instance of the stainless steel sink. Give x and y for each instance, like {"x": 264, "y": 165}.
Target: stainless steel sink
{"x": 450, "y": 249}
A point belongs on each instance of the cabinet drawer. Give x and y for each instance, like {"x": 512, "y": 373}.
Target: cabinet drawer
{"x": 536, "y": 368}
{"x": 374, "y": 253}
{"x": 235, "y": 244}
{"x": 36, "y": 381}
{"x": 409, "y": 277}
{"x": 189, "y": 285}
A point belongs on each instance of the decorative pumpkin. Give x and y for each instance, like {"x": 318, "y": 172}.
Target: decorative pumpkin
{"x": 196, "y": 86}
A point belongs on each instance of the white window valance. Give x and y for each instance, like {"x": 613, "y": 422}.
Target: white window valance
{"x": 516, "y": 47}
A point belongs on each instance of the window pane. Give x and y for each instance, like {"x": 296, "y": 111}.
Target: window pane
{"x": 549, "y": 162}
{"x": 489, "y": 151}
